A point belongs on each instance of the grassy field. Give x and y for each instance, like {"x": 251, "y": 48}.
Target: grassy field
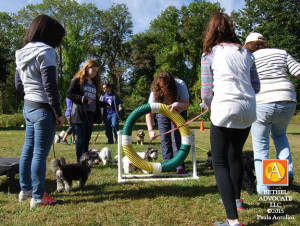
{"x": 104, "y": 201}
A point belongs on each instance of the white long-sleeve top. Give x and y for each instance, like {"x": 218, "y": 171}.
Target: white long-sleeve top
{"x": 229, "y": 82}
{"x": 272, "y": 67}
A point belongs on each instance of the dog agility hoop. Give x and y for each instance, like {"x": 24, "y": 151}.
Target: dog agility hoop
{"x": 177, "y": 119}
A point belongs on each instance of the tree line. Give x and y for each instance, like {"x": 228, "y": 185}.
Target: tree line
{"x": 130, "y": 61}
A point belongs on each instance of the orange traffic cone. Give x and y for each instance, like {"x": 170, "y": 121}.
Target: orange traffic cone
{"x": 202, "y": 125}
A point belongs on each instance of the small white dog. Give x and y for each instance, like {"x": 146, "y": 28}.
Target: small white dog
{"x": 104, "y": 155}
{"x": 58, "y": 137}
{"x": 149, "y": 155}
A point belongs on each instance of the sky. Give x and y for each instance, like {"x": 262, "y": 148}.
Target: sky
{"x": 142, "y": 11}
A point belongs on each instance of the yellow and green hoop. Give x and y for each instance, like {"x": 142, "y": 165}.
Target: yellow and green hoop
{"x": 178, "y": 120}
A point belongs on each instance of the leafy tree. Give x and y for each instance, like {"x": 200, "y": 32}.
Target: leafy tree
{"x": 10, "y": 40}
{"x": 142, "y": 59}
{"x": 277, "y": 20}
{"x": 173, "y": 43}
{"x": 4, "y": 64}
{"x": 82, "y": 24}
{"x": 168, "y": 44}
{"x": 114, "y": 50}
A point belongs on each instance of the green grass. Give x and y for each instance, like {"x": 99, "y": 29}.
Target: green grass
{"x": 104, "y": 201}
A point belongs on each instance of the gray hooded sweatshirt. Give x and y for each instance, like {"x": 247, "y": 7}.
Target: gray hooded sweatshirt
{"x": 36, "y": 76}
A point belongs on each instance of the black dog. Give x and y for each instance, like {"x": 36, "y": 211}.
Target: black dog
{"x": 248, "y": 174}
{"x": 208, "y": 162}
{"x": 66, "y": 173}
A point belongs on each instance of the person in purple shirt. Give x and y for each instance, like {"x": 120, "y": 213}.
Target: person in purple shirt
{"x": 112, "y": 115}
{"x": 71, "y": 129}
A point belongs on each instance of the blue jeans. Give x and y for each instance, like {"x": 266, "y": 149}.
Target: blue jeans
{"x": 111, "y": 125}
{"x": 83, "y": 134}
{"x": 272, "y": 118}
{"x": 39, "y": 135}
{"x": 164, "y": 125}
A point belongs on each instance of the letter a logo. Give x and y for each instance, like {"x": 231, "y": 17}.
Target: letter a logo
{"x": 275, "y": 172}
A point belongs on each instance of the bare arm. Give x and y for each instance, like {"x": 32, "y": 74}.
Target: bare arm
{"x": 149, "y": 121}
{"x": 182, "y": 105}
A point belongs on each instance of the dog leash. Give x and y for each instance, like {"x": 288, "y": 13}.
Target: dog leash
{"x": 178, "y": 127}
{"x": 96, "y": 138}
{"x": 53, "y": 150}
{"x": 201, "y": 148}
{"x": 84, "y": 109}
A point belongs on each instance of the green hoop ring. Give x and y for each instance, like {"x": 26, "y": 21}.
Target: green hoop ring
{"x": 186, "y": 138}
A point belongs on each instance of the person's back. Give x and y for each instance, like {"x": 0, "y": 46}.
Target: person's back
{"x": 233, "y": 92}
{"x": 272, "y": 67}
{"x": 276, "y": 104}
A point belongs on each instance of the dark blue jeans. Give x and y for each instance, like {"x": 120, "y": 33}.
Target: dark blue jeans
{"x": 39, "y": 135}
{"x": 111, "y": 125}
{"x": 83, "y": 132}
{"x": 164, "y": 125}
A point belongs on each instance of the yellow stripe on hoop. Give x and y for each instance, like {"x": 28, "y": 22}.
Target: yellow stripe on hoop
{"x": 176, "y": 118}
{"x": 137, "y": 160}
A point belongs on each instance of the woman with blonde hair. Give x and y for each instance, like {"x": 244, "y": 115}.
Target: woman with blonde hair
{"x": 83, "y": 91}
{"x": 229, "y": 83}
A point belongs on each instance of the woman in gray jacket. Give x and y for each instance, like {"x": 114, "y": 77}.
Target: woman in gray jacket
{"x": 36, "y": 78}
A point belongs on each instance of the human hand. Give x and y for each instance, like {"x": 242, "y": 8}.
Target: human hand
{"x": 203, "y": 105}
{"x": 173, "y": 106}
{"x": 152, "y": 134}
{"x": 60, "y": 121}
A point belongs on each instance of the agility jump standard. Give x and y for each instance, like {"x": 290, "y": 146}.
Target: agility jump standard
{"x": 124, "y": 140}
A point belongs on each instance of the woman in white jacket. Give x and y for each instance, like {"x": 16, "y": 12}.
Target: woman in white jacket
{"x": 229, "y": 83}
{"x": 276, "y": 103}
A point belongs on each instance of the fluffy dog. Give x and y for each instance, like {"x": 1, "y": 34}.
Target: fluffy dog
{"x": 208, "y": 162}
{"x": 66, "y": 173}
{"x": 104, "y": 155}
{"x": 140, "y": 137}
{"x": 248, "y": 173}
{"x": 149, "y": 155}
{"x": 58, "y": 137}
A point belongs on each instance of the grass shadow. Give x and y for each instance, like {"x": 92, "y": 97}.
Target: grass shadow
{"x": 95, "y": 193}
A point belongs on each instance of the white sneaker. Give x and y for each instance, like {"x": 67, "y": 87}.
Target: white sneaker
{"x": 23, "y": 195}
{"x": 35, "y": 202}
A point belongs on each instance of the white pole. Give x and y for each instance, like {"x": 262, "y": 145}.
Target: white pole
{"x": 194, "y": 155}
{"x": 120, "y": 178}
{"x": 155, "y": 177}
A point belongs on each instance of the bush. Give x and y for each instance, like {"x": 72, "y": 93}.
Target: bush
{"x": 130, "y": 104}
{"x": 14, "y": 120}
{"x": 195, "y": 110}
